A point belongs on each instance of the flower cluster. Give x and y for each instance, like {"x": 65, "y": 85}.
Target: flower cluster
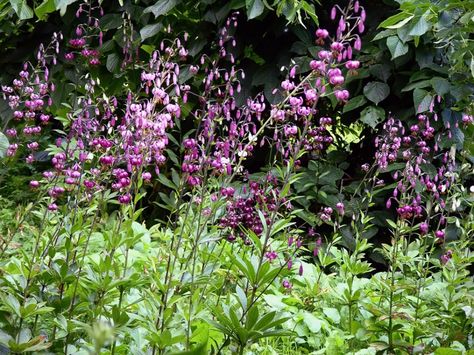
{"x": 295, "y": 128}
{"x": 82, "y": 46}
{"x": 424, "y": 181}
{"x": 30, "y": 97}
{"x": 226, "y": 135}
{"x": 107, "y": 147}
{"x": 242, "y": 211}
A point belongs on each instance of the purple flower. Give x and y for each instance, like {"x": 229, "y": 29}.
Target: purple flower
{"x": 286, "y": 284}
{"x": 271, "y": 255}
{"x": 424, "y": 228}
{"x": 440, "y": 235}
{"x": 125, "y": 199}
{"x": 446, "y": 257}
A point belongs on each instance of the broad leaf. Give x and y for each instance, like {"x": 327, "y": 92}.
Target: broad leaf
{"x": 150, "y": 30}
{"x": 422, "y": 100}
{"x": 62, "y": 5}
{"x": 420, "y": 27}
{"x": 22, "y": 9}
{"x": 440, "y": 85}
{"x": 381, "y": 71}
{"x": 396, "y": 47}
{"x": 313, "y": 323}
{"x": 3, "y": 145}
{"x": 372, "y": 116}
{"x": 254, "y": 8}
{"x": 404, "y": 19}
{"x": 112, "y": 62}
{"x": 333, "y": 314}
{"x": 376, "y": 91}
{"x": 45, "y": 8}
{"x": 162, "y": 7}
{"x": 354, "y": 103}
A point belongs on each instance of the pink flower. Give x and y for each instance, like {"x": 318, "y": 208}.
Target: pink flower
{"x": 324, "y": 55}
{"x": 340, "y": 208}
{"x": 321, "y": 33}
{"x": 146, "y": 176}
{"x": 352, "y": 64}
{"x": 318, "y": 65}
{"x": 291, "y": 130}
{"x": 336, "y": 80}
{"x": 287, "y": 85}
{"x": 337, "y": 46}
{"x": 341, "y": 95}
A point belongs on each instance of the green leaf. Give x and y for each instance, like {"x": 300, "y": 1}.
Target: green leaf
{"x": 150, "y": 30}
{"x": 354, "y": 103}
{"x": 314, "y": 324}
{"x": 254, "y": 8}
{"x": 148, "y": 48}
{"x": 250, "y": 53}
{"x": 62, "y": 5}
{"x": 447, "y": 351}
{"x": 417, "y": 85}
{"x": 472, "y": 67}
{"x": 420, "y": 27}
{"x": 332, "y": 314}
{"x": 112, "y": 62}
{"x": 397, "y": 21}
{"x": 241, "y": 296}
{"x": 422, "y": 100}
{"x": 326, "y": 174}
{"x": 162, "y": 7}
{"x": 4, "y": 143}
{"x": 393, "y": 19}
{"x": 376, "y": 91}
{"x": 309, "y": 9}
{"x": 200, "y": 349}
{"x": 22, "y": 9}
{"x": 384, "y": 34}
{"x": 381, "y": 71}
{"x": 396, "y": 47}
{"x": 111, "y": 21}
{"x": 391, "y": 223}
{"x": 440, "y": 85}
{"x": 45, "y": 8}
{"x": 372, "y": 116}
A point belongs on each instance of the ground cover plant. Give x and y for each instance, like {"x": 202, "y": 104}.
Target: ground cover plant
{"x": 169, "y": 184}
